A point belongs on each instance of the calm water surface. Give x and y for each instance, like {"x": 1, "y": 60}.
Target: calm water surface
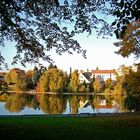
{"x": 26, "y": 104}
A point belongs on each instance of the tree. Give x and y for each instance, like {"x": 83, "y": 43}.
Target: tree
{"x": 98, "y": 85}
{"x": 32, "y": 23}
{"x": 132, "y": 87}
{"x": 74, "y": 82}
{"x": 29, "y": 23}
{"x": 18, "y": 78}
{"x": 52, "y": 80}
{"x": 126, "y": 12}
{"x": 36, "y": 75}
{"x": 120, "y": 78}
{"x": 109, "y": 85}
{"x": 29, "y": 82}
{"x": 51, "y": 66}
{"x": 131, "y": 83}
{"x": 130, "y": 41}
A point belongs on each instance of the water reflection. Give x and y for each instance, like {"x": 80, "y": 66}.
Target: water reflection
{"x": 53, "y": 104}
{"x": 17, "y": 102}
{"x": 62, "y": 104}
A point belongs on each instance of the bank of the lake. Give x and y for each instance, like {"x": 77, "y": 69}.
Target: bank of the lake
{"x": 105, "y": 127}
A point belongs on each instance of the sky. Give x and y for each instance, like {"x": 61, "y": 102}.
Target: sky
{"x": 100, "y": 53}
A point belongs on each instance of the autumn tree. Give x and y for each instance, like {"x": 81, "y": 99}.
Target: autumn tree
{"x": 85, "y": 87}
{"x": 74, "y": 82}
{"x": 16, "y": 78}
{"x": 129, "y": 44}
{"x": 121, "y": 88}
{"x": 52, "y": 80}
{"x": 109, "y": 85}
{"x": 131, "y": 83}
{"x": 120, "y": 78}
{"x": 98, "y": 85}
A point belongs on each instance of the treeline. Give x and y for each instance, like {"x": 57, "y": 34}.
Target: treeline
{"x": 52, "y": 79}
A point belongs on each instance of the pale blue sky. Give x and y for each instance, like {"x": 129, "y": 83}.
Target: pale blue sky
{"x": 100, "y": 52}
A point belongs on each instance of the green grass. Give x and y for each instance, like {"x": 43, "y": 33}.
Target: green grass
{"x": 123, "y": 127}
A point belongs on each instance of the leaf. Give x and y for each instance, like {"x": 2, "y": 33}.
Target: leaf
{"x": 122, "y": 4}
{"x": 113, "y": 23}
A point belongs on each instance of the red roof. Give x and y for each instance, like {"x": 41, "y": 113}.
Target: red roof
{"x": 2, "y": 74}
{"x": 103, "y": 71}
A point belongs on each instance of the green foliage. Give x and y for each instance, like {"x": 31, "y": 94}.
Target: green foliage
{"x": 123, "y": 126}
{"x": 130, "y": 102}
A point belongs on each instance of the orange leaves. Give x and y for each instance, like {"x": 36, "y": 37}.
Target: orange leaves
{"x": 131, "y": 40}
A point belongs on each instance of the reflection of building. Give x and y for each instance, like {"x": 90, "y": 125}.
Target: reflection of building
{"x": 83, "y": 103}
{"x": 102, "y": 104}
{"x": 103, "y": 75}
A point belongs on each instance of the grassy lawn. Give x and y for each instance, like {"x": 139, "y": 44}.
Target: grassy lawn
{"x": 122, "y": 127}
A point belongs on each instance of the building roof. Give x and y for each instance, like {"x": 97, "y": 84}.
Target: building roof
{"x": 88, "y": 76}
{"x": 103, "y": 71}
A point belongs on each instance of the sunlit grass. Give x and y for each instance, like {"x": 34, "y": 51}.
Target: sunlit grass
{"x": 122, "y": 127}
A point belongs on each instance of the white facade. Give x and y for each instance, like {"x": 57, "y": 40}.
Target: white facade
{"x": 104, "y": 74}
{"x": 87, "y": 77}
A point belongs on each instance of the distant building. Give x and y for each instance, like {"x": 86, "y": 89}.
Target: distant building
{"x": 104, "y": 74}
{"x": 87, "y": 77}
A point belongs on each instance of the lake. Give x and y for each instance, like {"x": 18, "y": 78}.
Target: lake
{"x": 27, "y": 104}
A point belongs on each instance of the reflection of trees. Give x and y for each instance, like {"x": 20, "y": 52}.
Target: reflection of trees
{"x": 3, "y": 97}
{"x": 120, "y": 100}
{"x": 17, "y": 102}
{"x": 53, "y": 104}
{"x": 73, "y": 101}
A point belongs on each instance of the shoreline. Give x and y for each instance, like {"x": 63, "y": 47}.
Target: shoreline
{"x": 72, "y": 115}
